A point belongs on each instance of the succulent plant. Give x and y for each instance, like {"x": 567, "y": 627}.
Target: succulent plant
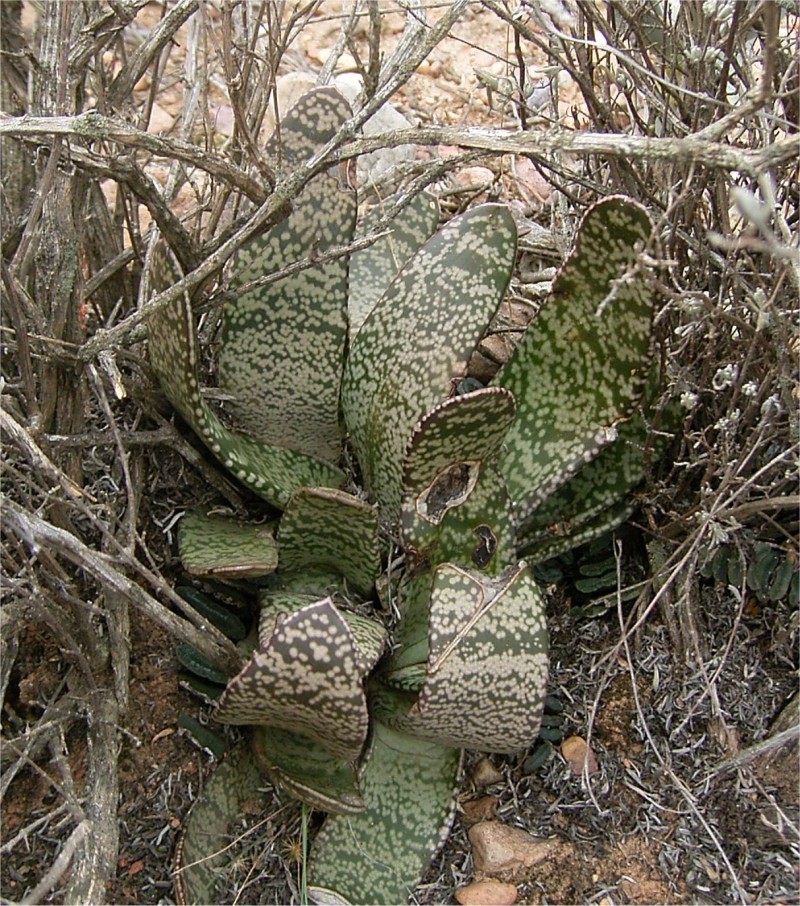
{"x": 366, "y": 679}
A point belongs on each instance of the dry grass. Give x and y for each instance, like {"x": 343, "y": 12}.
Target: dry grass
{"x": 694, "y": 112}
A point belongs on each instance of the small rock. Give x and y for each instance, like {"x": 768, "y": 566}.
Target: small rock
{"x": 479, "y": 809}
{"x": 499, "y": 848}
{"x": 476, "y": 179}
{"x": 160, "y": 120}
{"x": 487, "y": 892}
{"x": 485, "y": 774}
{"x": 579, "y": 755}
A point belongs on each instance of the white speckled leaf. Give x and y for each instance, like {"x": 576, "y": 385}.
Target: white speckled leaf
{"x": 283, "y": 344}
{"x": 372, "y": 269}
{"x": 202, "y": 851}
{"x": 225, "y": 549}
{"x": 369, "y": 635}
{"x": 418, "y": 339}
{"x": 594, "y": 499}
{"x": 446, "y": 453}
{"x": 378, "y": 856}
{"x": 306, "y": 679}
{"x": 487, "y": 665}
{"x": 271, "y": 472}
{"x": 583, "y": 361}
{"x": 331, "y": 531}
{"x": 307, "y": 771}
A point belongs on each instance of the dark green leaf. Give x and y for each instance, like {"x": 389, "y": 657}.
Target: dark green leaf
{"x": 379, "y": 855}
{"x": 271, "y": 472}
{"x": 582, "y": 364}
{"x": 418, "y": 338}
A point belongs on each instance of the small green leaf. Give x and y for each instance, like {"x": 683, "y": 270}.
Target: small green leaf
{"x": 271, "y": 472}
{"x": 202, "y": 850}
{"x": 582, "y": 364}
{"x": 418, "y": 338}
{"x": 330, "y": 531}
{"x": 487, "y": 663}
{"x": 372, "y": 269}
{"x": 223, "y": 548}
{"x": 378, "y": 856}
{"x": 307, "y": 771}
{"x": 195, "y": 662}
{"x": 215, "y": 613}
{"x": 305, "y": 679}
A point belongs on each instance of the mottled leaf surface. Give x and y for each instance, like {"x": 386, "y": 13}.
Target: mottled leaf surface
{"x": 444, "y": 459}
{"x": 203, "y": 849}
{"x": 308, "y": 771}
{"x": 332, "y": 531}
{"x": 224, "y": 548}
{"x": 372, "y": 269}
{"x": 487, "y": 663}
{"x": 369, "y": 634}
{"x": 283, "y": 343}
{"x": 378, "y": 856}
{"x": 582, "y": 364}
{"x": 271, "y": 472}
{"x": 305, "y": 679}
{"x": 418, "y": 339}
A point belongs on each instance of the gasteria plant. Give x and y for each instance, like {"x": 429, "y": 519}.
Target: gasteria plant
{"x": 365, "y": 681}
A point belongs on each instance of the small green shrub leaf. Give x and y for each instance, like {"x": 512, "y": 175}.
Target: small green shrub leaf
{"x": 330, "y": 531}
{"x": 271, "y": 472}
{"x": 582, "y": 363}
{"x": 224, "y": 548}
{"x": 305, "y": 679}
{"x": 372, "y": 269}
{"x": 418, "y": 338}
{"x": 307, "y": 771}
{"x": 378, "y": 856}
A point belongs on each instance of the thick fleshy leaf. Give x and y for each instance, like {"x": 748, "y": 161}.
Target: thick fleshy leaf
{"x": 444, "y": 459}
{"x": 330, "y": 531}
{"x": 306, "y": 679}
{"x": 487, "y": 664}
{"x": 369, "y": 634}
{"x": 372, "y": 269}
{"x": 594, "y": 501}
{"x": 418, "y": 338}
{"x": 283, "y": 344}
{"x": 225, "y": 549}
{"x": 378, "y": 856}
{"x": 209, "y": 828}
{"x": 307, "y": 771}
{"x": 582, "y": 363}
{"x": 271, "y": 472}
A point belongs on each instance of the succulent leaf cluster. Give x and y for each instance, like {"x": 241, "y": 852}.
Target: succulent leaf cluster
{"x": 367, "y": 352}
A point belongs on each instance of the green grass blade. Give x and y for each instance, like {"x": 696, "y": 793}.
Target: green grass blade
{"x": 582, "y": 364}
{"x": 379, "y": 855}
{"x": 418, "y": 338}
